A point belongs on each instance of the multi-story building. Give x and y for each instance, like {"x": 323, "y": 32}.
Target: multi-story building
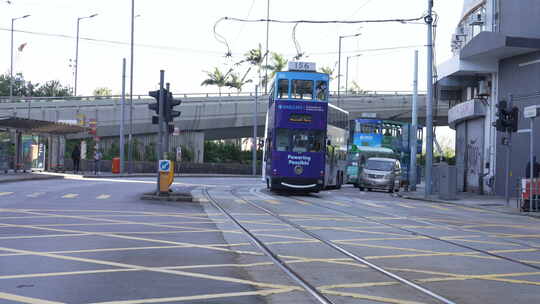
{"x": 496, "y": 50}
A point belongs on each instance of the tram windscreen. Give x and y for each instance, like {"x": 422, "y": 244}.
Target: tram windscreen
{"x": 299, "y": 141}
{"x": 302, "y": 89}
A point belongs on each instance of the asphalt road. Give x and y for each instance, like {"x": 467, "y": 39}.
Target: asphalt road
{"x": 94, "y": 241}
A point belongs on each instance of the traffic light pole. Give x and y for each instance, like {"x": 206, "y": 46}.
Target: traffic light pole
{"x": 508, "y": 158}
{"x": 166, "y": 126}
{"x": 160, "y": 123}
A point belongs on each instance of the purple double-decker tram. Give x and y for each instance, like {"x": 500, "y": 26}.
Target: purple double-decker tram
{"x": 305, "y": 137}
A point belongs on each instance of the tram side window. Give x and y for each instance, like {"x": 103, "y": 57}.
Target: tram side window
{"x": 282, "y": 140}
{"x": 322, "y": 90}
{"x": 302, "y": 89}
{"x": 283, "y": 88}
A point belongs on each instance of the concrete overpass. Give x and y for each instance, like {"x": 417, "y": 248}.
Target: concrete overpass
{"x": 219, "y": 117}
{"x": 204, "y": 117}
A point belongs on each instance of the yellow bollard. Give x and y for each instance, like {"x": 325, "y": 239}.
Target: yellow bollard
{"x": 165, "y": 172}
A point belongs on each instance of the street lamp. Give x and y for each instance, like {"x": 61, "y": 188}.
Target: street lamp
{"x": 339, "y": 62}
{"x": 347, "y": 72}
{"x": 11, "y": 69}
{"x": 130, "y": 136}
{"x": 77, "y": 50}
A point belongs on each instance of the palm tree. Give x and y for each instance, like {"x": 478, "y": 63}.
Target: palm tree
{"x": 278, "y": 64}
{"x": 328, "y": 70}
{"x": 235, "y": 82}
{"x": 255, "y": 57}
{"x": 217, "y": 78}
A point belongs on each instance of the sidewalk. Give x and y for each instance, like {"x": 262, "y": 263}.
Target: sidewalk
{"x": 13, "y": 177}
{"x": 471, "y": 200}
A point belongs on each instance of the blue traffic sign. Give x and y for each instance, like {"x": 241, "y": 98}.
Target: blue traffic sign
{"x": 164, "y": 166}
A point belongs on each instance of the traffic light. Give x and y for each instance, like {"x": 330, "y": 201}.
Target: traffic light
{"x": 170, "y": 103}
{"x": 513, "y": 119}
{"x": 154, "y": 106}
{"x": 502, "y": 116}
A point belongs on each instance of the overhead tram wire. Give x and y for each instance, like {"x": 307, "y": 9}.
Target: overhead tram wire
{"x": 114, "y": 42}
{"x": 402, "y": 20}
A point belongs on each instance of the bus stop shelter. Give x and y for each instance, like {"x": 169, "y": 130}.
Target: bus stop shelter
{"x": 30, "y": 144}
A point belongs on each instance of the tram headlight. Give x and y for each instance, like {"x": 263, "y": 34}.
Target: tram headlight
{"x": 322, "y": 172}
{"x": 274, "y": 172}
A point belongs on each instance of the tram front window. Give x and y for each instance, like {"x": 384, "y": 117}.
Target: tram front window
{"x": 302, "y": 89}
{"x": 307, "y": 141}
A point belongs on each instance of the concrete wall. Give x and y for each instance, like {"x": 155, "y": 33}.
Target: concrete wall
{"x": 520, "y": 18}
{"x": 523, "y": 82}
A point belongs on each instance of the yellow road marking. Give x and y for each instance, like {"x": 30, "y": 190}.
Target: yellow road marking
{"x": 40, "y": 236}
{"x": 302, "y": 202}
{"x": 406, "y": 206}
{"x": 21, "y": 299}
{"x": 338, "y": 204}
{"x": 239, "y": 201}
{"x": 368, "y": 297}
{"x": 153, "y": 269}
{"x": 203, "y": 297}
{"x": 70, "y": 195}
{"x": 273, "y": 202}
{"x": 438, "y": 207}
{"x": 103, "y": 196}
{"x": 5, "y": 193}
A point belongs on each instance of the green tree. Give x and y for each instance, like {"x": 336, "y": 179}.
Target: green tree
{"x": 53, "y": 88}
{"x": 217, "y": 78}
{"x": 102, "y": 91}
{"x": 22, "y": 87}
{"x": 356, "y": 89}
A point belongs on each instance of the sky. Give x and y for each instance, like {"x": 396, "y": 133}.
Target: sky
{"x": 178, "y": 36}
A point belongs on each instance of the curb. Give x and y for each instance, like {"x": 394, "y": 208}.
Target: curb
{"x": 172, "y": 197}
{"x": 179, "y": 176}
{"x": 30, "y": 178}
{"x": 462, "y": 205}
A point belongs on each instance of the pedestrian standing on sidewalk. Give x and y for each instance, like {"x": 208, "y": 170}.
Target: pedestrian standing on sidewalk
{"x": 97, "y": 160}
{"x": 76, "y": 157}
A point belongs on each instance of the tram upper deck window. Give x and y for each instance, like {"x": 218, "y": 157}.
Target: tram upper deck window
{"x": 283, "y": 88}
{"x": 322, "y": 90}
{"x": 302, "y": 89}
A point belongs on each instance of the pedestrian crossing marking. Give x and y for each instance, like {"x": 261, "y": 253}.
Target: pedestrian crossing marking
{"x": 103, "y": 196}
{"x": 5, "y": 193}
{"x": 36, "y": 194}
{"x": 70, "y": 195}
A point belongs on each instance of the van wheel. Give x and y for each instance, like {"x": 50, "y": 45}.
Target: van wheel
{"x": 359, "y": 188}
{"x": 391, "y": 190}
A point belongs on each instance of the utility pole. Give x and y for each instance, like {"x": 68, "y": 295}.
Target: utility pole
{"x": 130, "y": 138}
{"x": 254, "y": 143}
{"x": 267, "y": 39}
{"x": 339, "y": 72}
{"x": 122, "y": 109}
{"x": 429, "y": 100}
{"x": 414, "y": 127}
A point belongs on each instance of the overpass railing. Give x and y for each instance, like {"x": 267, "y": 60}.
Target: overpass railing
{"x": 228, "y": 96}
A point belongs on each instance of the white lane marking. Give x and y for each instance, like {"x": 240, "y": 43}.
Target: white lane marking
{"x": 70, "y": 195}
{"x": 103, "y": 197}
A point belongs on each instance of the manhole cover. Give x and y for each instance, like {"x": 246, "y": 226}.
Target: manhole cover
{"x": 491, "y": 205}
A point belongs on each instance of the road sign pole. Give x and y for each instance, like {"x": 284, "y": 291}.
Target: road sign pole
{"x": 532, "y": 207}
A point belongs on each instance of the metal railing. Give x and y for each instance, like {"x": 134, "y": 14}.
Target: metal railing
{"x": 16, "y": 99}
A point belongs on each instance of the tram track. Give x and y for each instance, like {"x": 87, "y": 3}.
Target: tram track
{"x": 416, "y": 233}
{"x": 312, "y": 290}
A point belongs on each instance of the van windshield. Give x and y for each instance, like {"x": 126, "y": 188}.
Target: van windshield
{"x": 379, "y": 165}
